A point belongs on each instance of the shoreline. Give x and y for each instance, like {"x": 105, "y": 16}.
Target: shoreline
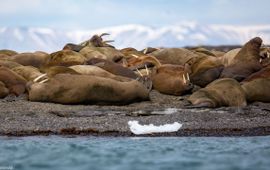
{"x": 19, "y": 117}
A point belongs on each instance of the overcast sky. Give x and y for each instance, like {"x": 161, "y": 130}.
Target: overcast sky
{"x": 74, "y": 14}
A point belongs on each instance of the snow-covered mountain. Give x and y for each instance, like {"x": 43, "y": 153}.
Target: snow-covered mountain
{"x": 138, "y": 36}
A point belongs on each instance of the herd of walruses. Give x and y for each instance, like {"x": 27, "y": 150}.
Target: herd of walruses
{"x": 95, "y": 72}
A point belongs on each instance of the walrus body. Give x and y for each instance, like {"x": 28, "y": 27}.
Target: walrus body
{"x": 72, "y": 89}
{"x": 14, "y": 82}
{"x": 221, "y": 92}
{"x": 178, "y": 56}
{"x": 27, "y": 72}
{"x": 3, "y": 90}
{"x": 171, "y": 79}
{"x": 204, "y": 70}
{"x": 257, "y": 90}
{"x": 9, "y": 64}
{"x": 113, "y": 68}
{"x": 37, "y": 59}
{"x": 97, "y": 71}
{"x": 247, "y": 61}
{"x": 65, "y": 58}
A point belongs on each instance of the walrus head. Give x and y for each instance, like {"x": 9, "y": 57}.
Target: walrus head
{"x": 97, "y": 41}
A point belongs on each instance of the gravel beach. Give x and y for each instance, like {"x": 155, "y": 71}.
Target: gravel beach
{"x": 20, "y": 117}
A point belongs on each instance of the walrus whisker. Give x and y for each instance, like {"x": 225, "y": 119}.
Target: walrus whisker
{"x": 43, "y": 81}
{"x": 139, "y": 72}
{"x": 147, "y": 71}
{"x": 145, "y": 50}
{"x": 39, "y": 77}
{"x": 135, "y": 56}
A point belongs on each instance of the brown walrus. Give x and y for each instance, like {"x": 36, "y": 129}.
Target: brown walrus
{"x": 247, "y": 61}
{"x": 221, "y": 92}
{"x": 73, "y": 47}
{"x": 112, "y": 67}
{"x": 97, "y": 41}
{"x": 73, "y": 89}
{"x": 27, "y": 72}
{"x": 97, "y": 71}
{"x": 9, "y": 64}
{"x": 3, "y": 90}
{"x": 14, "y": 82}
{"x": 65, "y": 58}
{"x": 257, "y": 89}
{"x": 263, "y": 73}
{"x": 36, "y": 59}
{"x": 8, "y": 52}
{"x": 171, "y": 79}
{"x": 178, "y": 56}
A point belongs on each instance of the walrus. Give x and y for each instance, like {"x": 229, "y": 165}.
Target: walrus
{"x": 178, "y": 56}
{"x": 3, "y": 90}
{"x": 114, "y": 68}
{"x": 9, "y": 64}
{"x": 65, "y": 58}
{"x": 73, "y": 47}
{"x": 221, "y": 92}
{"x": 97, "y": 41}
{"x": 74, "y": 89}
{"x": 14, "y": 82}
{"x": 8, "y": 52}
{"x": 263, "y": 73}
{"x": 228, "y": 58}
{"x": 247, "y": 61}
{"x": 36, "y": 59}
{"x": 90, "y": 53}
{"x": 257, "y": 89}
{"x": 27, "y": 72}
{"x": 171, "y": 79}
{"x": 97, "y": 71}
{"x": 204, "y": 69}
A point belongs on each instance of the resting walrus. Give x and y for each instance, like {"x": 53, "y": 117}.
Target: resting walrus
{"x": 257, "y": 89}
{"x": 14, "y": 82}
{"x": 221, "y": 92}
{"x": 247, "y": 61}
{"x": 72, "y": 89}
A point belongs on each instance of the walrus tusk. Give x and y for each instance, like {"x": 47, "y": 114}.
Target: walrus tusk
{"x": 268, "y": 55}
{"x": 103, "y": 34}
{"x": 145, "y": 51}
{"x": 39, "y": 77}
{"x": 108, "y": 41}
{"x": 260, "y": 60}
{"x": 43, "y": 81}
{"x": 135, "y": 56}
{"x": 147, "y": 71}
{"x": 184, "y": 79}
{"x": 139, "y": 72}
{"x": 188, "y": 77}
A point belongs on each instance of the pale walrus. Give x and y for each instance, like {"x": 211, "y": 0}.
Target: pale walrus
{"x": 72, "y": 89}
{"x": 221, "y": 92}
{"x": 14, "y": 82}
{"x": 247, "y": 61}
{"x": 3, "y": 90}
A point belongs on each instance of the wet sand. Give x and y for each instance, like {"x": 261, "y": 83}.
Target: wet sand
{"x": 19, "y": 117}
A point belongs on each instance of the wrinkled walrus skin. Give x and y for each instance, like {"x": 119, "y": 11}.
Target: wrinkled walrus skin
{"x": 74, "y": 89}
{"x": 221, "y": 92}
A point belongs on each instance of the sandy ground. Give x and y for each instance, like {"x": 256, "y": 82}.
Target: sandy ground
{"x": 19, "y": 117}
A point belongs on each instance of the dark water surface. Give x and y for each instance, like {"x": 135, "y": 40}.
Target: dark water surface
{"x": 90, "y": 153}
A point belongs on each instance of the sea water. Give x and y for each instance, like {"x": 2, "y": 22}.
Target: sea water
{"x": 135, "y": 153}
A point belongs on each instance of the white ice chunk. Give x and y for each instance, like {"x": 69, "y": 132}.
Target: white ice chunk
{"x": 138, "y": 129}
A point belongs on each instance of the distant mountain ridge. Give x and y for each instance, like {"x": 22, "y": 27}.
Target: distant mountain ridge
{"x": 138, "y": 36}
